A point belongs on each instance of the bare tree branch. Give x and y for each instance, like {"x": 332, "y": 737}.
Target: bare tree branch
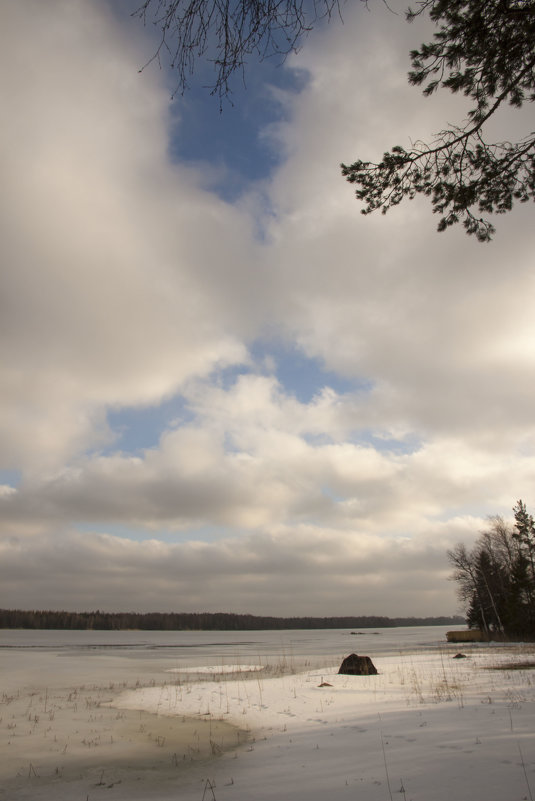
{"x": 226, "y": 32}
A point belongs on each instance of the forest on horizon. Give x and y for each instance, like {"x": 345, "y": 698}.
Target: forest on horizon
{"x": 200, "y": 621}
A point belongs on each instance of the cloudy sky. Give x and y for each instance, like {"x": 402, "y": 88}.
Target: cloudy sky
{"x": 222, "y": 388}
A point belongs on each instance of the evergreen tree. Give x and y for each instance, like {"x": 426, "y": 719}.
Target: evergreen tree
{"x": 525, "y": 534}
{"x": 496, "y": 581}
{"x": 484, "y": 49}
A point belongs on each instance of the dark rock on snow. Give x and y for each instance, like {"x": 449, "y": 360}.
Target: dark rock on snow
{"x": 354, "y": 665}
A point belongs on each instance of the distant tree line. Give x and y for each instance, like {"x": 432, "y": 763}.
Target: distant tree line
{"x": 496, "y": 578}
{"x": 199, "y": 621}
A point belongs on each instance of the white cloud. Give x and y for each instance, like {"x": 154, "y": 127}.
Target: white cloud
{"x": 436, "y": 322}
{"x": 125, "y": 282}
{"x": 108, "y": 294}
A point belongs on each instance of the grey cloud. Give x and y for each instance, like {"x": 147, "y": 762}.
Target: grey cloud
{"x": 267, "y": 574}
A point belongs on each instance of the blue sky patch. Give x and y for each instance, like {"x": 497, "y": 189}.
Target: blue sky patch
{"x": 301, "y": 375}
{"x": 130, "y": 532}
{"x": 401, "y": 446}
{"x": 137, "y": 429}
{"x": 11, "y": 478}
{"x": 229, "y": 139}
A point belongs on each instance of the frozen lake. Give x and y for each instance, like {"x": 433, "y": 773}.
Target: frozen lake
{"x": 124, "y": 715}
{"x": 59, "y": 657}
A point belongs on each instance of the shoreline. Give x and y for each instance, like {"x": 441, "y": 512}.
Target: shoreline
{"x": 430, "y": 724}
{"x": 444, "y": 727}
{"x": 78, "y": 737}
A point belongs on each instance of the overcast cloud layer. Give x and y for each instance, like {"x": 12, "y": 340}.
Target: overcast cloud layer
{"x": 128, "y": 285}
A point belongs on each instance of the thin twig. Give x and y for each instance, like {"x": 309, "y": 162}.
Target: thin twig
{"x": 208, "y": 786}
{"x": 386, "y": 769}
{"x": 525, "y": 771}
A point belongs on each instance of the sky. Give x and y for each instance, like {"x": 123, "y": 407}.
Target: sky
{"x": 222, "y": 387}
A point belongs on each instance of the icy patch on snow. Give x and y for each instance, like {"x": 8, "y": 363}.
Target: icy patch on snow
{"x": 212, "y": 670}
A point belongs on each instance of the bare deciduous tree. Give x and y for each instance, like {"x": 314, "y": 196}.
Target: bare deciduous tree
{"x": 227, "y": 32}
{"x": 494, "y": 580}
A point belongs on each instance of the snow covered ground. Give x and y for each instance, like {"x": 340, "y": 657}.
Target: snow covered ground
{"x": 427, "y": 728}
